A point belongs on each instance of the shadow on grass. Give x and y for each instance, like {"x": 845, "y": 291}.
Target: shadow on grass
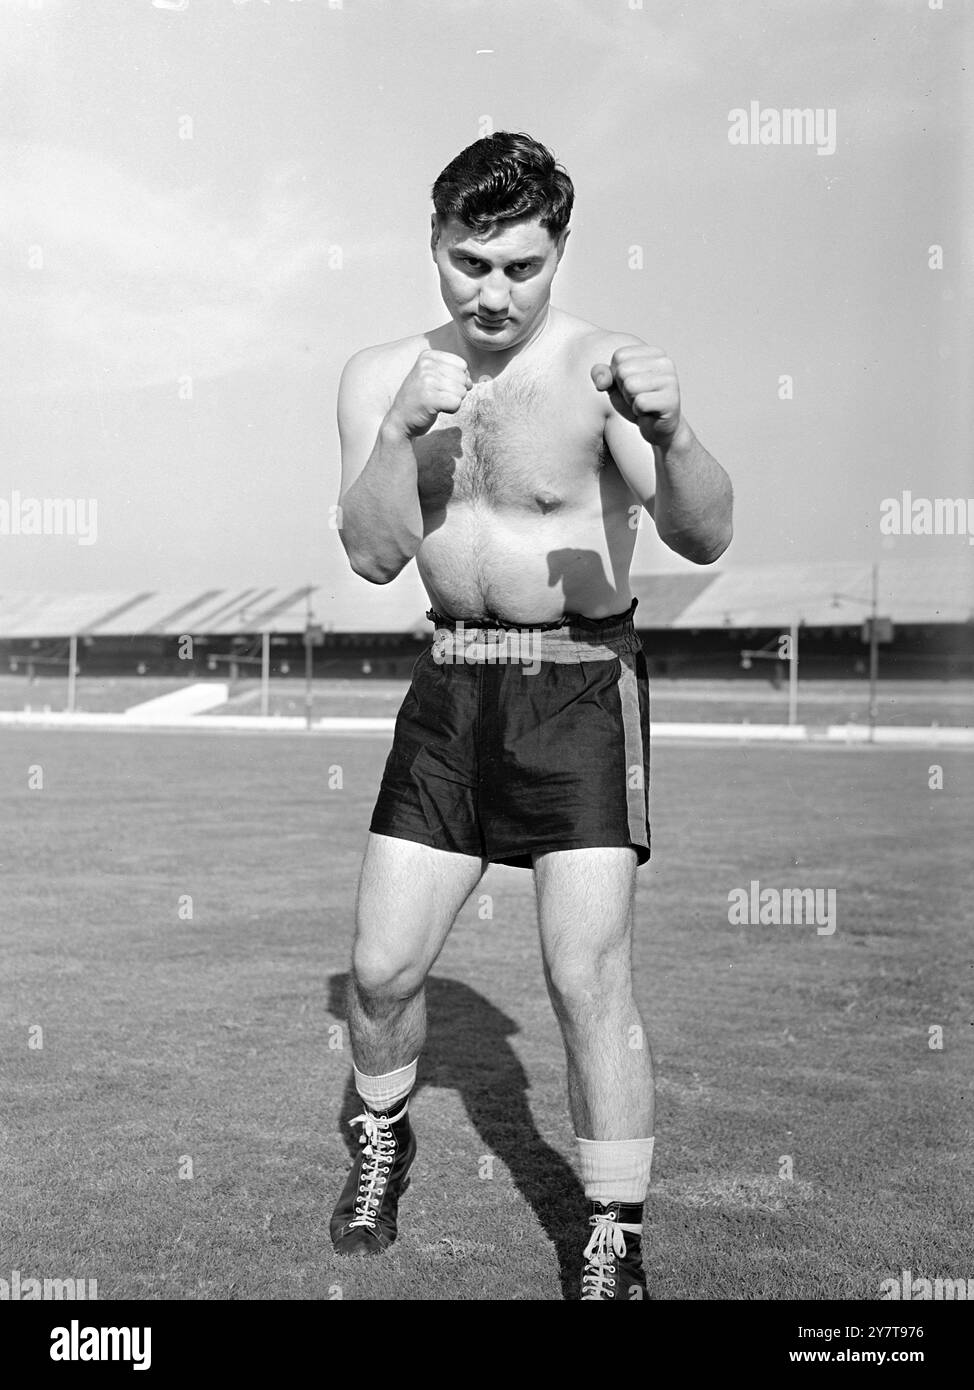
{"x": 467, "y": 1050}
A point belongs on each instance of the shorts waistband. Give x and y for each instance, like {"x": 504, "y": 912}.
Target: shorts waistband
{"x": 573, "y": 637}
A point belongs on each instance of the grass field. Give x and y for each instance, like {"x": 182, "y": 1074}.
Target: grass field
{"x": 218, "y": 1041}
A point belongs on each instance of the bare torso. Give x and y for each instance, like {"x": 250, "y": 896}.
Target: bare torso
{"x": 525, "y": 515}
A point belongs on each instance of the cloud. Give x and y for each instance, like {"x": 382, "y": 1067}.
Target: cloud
{"x": 113, "y": 283}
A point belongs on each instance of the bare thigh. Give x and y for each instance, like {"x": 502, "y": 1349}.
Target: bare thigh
{"x": 408, "y": 899}
{"x": 585, "y": 911}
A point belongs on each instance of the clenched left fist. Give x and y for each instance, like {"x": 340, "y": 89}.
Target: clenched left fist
{"x": 643, "y": 387}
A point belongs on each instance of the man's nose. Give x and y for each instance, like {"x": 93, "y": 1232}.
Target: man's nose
{"x": 493, "y": 295}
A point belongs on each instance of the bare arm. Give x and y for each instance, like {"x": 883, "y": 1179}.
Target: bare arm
{"x": 694, "y": 500}
{"x": 683, "y": 488}
{"x": 380, "y": 518}
{"x": 380, "y": 522}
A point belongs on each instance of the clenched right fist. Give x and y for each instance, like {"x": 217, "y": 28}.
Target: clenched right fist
{"x": 437, "y": 384}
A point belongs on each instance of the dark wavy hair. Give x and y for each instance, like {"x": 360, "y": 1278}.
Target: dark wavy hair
{"x": 502, "y": 177}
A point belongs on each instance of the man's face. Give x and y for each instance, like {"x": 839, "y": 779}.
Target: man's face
{"x": 496, "y": 286}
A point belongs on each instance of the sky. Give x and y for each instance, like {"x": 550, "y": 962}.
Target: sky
{"x": 207, "y": 205}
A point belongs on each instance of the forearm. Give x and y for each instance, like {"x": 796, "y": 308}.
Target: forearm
{"x": 381, "y": 519}
{"x": 693, "y": 505}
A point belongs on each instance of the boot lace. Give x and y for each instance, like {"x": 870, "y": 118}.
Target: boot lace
{"x": 378, "y": 1155}
{"x": 607, "y": 1243}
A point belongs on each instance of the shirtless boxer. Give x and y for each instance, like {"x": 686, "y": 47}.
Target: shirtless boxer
{"x": 511, "y": 451}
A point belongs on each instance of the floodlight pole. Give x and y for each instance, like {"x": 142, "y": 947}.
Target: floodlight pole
{"x": 308, "y": 665}
{"x": 265, "y": 672}
{"x": 873, "y": 655}
{"x": 793, "y": 675}
{"x": 72, "y": 671}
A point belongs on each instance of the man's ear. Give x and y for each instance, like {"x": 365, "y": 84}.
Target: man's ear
{"x": 562, "y": 240}
{"x": 434, "y": 235}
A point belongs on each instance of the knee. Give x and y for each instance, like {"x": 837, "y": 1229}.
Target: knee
{"x": 379, "y": 976}
{"x": 589, "y": 983}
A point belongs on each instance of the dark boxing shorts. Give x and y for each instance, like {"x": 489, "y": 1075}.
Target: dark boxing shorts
{"x": 513, "y": 741}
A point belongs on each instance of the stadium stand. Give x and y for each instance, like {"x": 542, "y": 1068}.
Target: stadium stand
{"x": 693, "y": 623}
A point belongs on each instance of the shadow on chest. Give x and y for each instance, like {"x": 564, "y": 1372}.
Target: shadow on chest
{"x": 507, "y": 446}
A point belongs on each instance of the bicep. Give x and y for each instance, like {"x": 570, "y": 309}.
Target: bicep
{"x": 362, "y": 406}
{"x": 633, "y": 456}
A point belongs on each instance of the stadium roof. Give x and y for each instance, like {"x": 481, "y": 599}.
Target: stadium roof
{"x": 819, "y": 594}
{"x": 764, "y": 596}
{"x": 167, "y": 612}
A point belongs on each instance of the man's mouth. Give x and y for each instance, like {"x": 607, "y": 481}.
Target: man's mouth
{"x": 489, "y": 323}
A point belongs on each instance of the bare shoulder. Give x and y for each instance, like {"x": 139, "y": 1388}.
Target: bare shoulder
{"x": 380, "y": 368}
{"x": 586, "y": 345}
{"x": 602, "y": 342}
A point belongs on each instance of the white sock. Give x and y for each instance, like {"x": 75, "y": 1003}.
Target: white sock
{"x": 616, "y": 1170}
{"x": 390, "y": 1089}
